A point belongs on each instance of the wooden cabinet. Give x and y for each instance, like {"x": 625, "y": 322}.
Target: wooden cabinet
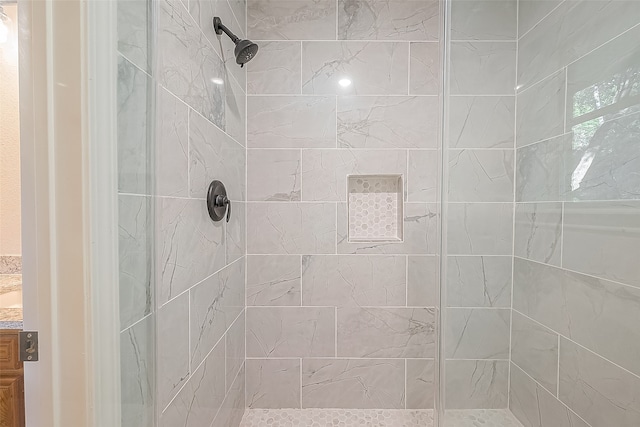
{"x": 11, "y": 380}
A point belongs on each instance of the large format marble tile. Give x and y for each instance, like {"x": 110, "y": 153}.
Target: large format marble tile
{"x": 190, "y": 246}
{"x": 474, "y": 384}
{"x": 603, "y": 68}
{"x": 273, "y": 383}
{"x": 291, "y": 19}
{"x": 134, "y": 132}
{"x": 274, "y": 175}
{"x": 604, "y": 160}
{"x": 534, "y": 406}
{"x": 239, "y": 9}
{"x": 273, "y": 280}
{"x": 324, "y": 172}
{"x": 540, "y": 110}
{"x": 134, "y": 255}
{"x": 569, "y": 32}
{"x": 203, "y": 12}
{"x": 421, "y": 385}
{"x": 235, "y": 350}
{"x": 596, "y": 313}
{"x": 422, "y": 281}
{"x": 133, "y": 31}
{"x": 480, "y": 228}
{"x": 235, "y": 112}
{"x": 214, "y": 155}
{"x": 276, "y": 69}
{"x": 290, "y": 332}
{"x": 172, "y": 152}
{"x": 534, "y": 348}
{"x": 603, "y": 113}
{"x": 477, "y": 333}
{"x": 543, "y": 171}
{"x": 603, "y": 239}
{"x": 173, "y": 348}
{"x": 481, "y": 121}
{"x": 374, "y": 68}
{"x": 483, "y": 68}
{"x": 388, "y": 20}
{"x": 291, "y": 122}
{"x": 388, "y": 122}
{"x": 233, "y": 406}
{"x": 187, "y": 64}
{"x": 424, "y": 68}
{"x": 354, "y": 280}
{"x": 386, "y": 332}
{"x": 478, "y": 281}
{"x": 236, "y": 233}
{"x": 481, "y": 175}
{"x": 200, "y": 399}
{"x": 423, "y": 179}
{"x": 137, "y": 373}
{"x": 420, "y": 233}
{"x": 600, "y": 392}
{"x": 484, "y": 20}
{"x": 538, "y": 232}
{"x": 215, "y": 304}
{"x": 353, "y": 383}
{"x": 291, "y": 228}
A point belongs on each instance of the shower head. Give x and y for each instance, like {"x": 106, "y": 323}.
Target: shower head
{"x": 245, "y": 49}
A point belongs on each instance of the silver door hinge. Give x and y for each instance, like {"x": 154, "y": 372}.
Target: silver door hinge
{"x": 28, "y": 346}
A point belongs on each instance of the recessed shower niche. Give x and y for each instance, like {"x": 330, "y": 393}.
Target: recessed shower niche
{"x": 375, "y": 206}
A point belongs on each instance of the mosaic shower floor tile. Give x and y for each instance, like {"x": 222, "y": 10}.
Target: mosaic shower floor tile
{"x": 374, "y": 418}
{"x": 480, "y": 418}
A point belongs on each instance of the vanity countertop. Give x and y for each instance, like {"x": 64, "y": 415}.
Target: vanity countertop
{"x": 10, "y": 318}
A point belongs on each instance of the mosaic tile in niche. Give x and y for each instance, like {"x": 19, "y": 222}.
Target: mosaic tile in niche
{"x": 375, "y": 208}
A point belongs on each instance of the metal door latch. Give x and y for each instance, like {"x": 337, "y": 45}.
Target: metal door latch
{"x": 28, "y": 346}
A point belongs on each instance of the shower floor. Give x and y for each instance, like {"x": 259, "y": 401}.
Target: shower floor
{"x": 375, "y": 418}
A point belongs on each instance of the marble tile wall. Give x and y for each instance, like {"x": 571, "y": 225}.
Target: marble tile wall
{"x": 480, "y": 197}
{"x": 332, "y": 323}
{"x": 182, "y": 276}
{"x": 576, "y": 283}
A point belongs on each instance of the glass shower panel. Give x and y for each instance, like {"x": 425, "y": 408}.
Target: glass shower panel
{"x": 479, "y": 74}
{"x": 539, "y": 277}
{"x": 136, "y": 187}
{"x": 577, "y": 218}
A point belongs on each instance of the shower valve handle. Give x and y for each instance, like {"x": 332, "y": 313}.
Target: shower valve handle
{"x": 218, "y": 204}
{"x": 222, "y": 201}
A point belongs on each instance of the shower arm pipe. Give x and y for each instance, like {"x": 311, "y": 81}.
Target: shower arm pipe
{"x": 220, "y": 27}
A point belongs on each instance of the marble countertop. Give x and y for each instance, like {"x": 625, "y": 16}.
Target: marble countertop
{"x": 10, "y": 325}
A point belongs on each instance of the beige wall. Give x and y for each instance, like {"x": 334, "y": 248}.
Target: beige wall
{"x": 9, "y": 143}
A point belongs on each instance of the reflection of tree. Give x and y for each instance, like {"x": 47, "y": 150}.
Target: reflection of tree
{"x": 606, "y": 139}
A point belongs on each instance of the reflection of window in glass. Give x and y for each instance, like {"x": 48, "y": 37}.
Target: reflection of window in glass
{"x": 606, "y": 137}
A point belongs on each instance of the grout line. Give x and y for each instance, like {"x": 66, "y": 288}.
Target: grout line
{"x": 405, "y": 384}
{"x": 537, "y": 23}
{"x": 558, "y": 370}
{"x": 204, "y": 359}
{"x": 529, "y": 86}
{"x": 579, "y": 345}
{"x": 565, "y": 269}
{"x": 406, "y": 280}
{"x": 562, "y": 219}
{"x": 514, "y": 196}
{"x": 544, "y": 388}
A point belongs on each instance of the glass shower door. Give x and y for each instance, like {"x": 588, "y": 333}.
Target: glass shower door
{"x": 136, "y": 209}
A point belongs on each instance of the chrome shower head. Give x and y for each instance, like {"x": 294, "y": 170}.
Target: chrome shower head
{"x": 245, "y": 49}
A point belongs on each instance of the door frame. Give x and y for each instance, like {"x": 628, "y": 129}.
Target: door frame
{"x": 68, "y": 107}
